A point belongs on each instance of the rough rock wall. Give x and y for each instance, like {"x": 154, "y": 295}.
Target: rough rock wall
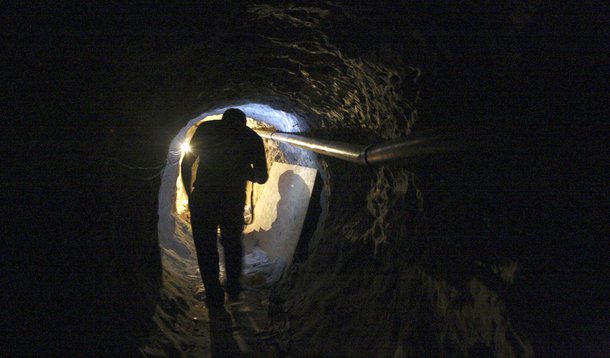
{"x": 465, "y": 257}
{"x": 378, "y": 280}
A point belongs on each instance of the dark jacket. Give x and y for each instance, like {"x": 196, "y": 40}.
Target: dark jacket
{"x": 229, "y": 154}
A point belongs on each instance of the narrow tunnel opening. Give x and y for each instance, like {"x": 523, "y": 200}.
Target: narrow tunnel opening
{"x": 268, "y": 251}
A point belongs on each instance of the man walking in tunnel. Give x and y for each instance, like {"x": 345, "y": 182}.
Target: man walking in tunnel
{"x": 229, "y": 154}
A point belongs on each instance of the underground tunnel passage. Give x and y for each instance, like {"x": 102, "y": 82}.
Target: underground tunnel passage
{"x": 496, "y": 250}
{"x": 270, "y": 240}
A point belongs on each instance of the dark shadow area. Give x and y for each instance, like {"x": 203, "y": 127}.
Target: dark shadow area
{"x": 537, "y": 202}
{"x": 82, "y": 268}
{"x": 291, "y": 187}
{"x": 314, "y": 210}
{"x": 221, "y": 334}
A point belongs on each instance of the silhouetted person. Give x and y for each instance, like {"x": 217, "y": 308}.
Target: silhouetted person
{"x": 229, "y": 154}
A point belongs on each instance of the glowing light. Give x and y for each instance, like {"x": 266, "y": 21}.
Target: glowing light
{"x": 185, "y": 147}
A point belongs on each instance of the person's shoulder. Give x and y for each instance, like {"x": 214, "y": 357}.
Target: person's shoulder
{"x": 252, "y": 135}
{"x": 208, "y": 126}
{"x": 211, "y": 124}
{"x": 249, "y": 130}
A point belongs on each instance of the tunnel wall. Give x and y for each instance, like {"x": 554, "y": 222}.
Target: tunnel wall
{"x": 472, "y": 264}
{"x": 452, "y": 237}
{"x": 372, "y": 97}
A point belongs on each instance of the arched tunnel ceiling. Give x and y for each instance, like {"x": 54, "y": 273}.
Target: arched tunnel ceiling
{"x": 280, "y": 120}
{"x": 299, "y": 70}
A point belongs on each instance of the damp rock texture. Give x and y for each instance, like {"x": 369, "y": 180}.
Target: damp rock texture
{"x": 420, "y": 260}
{"x": 495, "y": 252}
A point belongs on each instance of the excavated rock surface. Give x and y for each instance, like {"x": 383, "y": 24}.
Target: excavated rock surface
{"x": 415, "y": 261}
{"x": 486, "y": 254}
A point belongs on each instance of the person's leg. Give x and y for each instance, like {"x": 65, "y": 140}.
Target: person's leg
{"x": 204, "y": 236}
{"x": 231, "y": 228}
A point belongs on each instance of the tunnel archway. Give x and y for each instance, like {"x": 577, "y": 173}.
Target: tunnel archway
{"x": 171, "y": 194}
{"x": 180, "y": 276}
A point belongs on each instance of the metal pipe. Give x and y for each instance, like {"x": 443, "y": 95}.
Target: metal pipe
{"x": 416, "y": 147}
{"x": 400, "y": 149}
{"x": 350, "y": 152}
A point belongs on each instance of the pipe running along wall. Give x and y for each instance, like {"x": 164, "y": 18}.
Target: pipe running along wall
{"x": 398, "y": 150}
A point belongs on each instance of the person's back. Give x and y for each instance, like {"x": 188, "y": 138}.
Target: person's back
{"x": 226, "y": 153}
{"x": 229, "y": 154}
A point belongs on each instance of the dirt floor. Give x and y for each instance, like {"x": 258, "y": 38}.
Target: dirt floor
{"x": 239, "y": 329}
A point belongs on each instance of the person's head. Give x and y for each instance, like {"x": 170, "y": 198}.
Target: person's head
{"x": 234, "y": 116}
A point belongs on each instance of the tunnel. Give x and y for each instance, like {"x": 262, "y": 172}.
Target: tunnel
{"x": 483, "y": 233}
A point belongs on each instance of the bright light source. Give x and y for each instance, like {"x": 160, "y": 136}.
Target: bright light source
{"x": 185, "y": 147}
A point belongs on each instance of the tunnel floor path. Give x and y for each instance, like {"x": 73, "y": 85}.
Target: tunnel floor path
{"x": 239, "y": 329}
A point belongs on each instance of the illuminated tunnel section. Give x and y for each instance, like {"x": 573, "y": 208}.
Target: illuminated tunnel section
{"x": 171, "y": 194}
{"x": 180, "y": 276}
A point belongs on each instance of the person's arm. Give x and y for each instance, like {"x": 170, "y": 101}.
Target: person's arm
{"x": 186, "y": 170}
{"x": 260, "y": 162}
